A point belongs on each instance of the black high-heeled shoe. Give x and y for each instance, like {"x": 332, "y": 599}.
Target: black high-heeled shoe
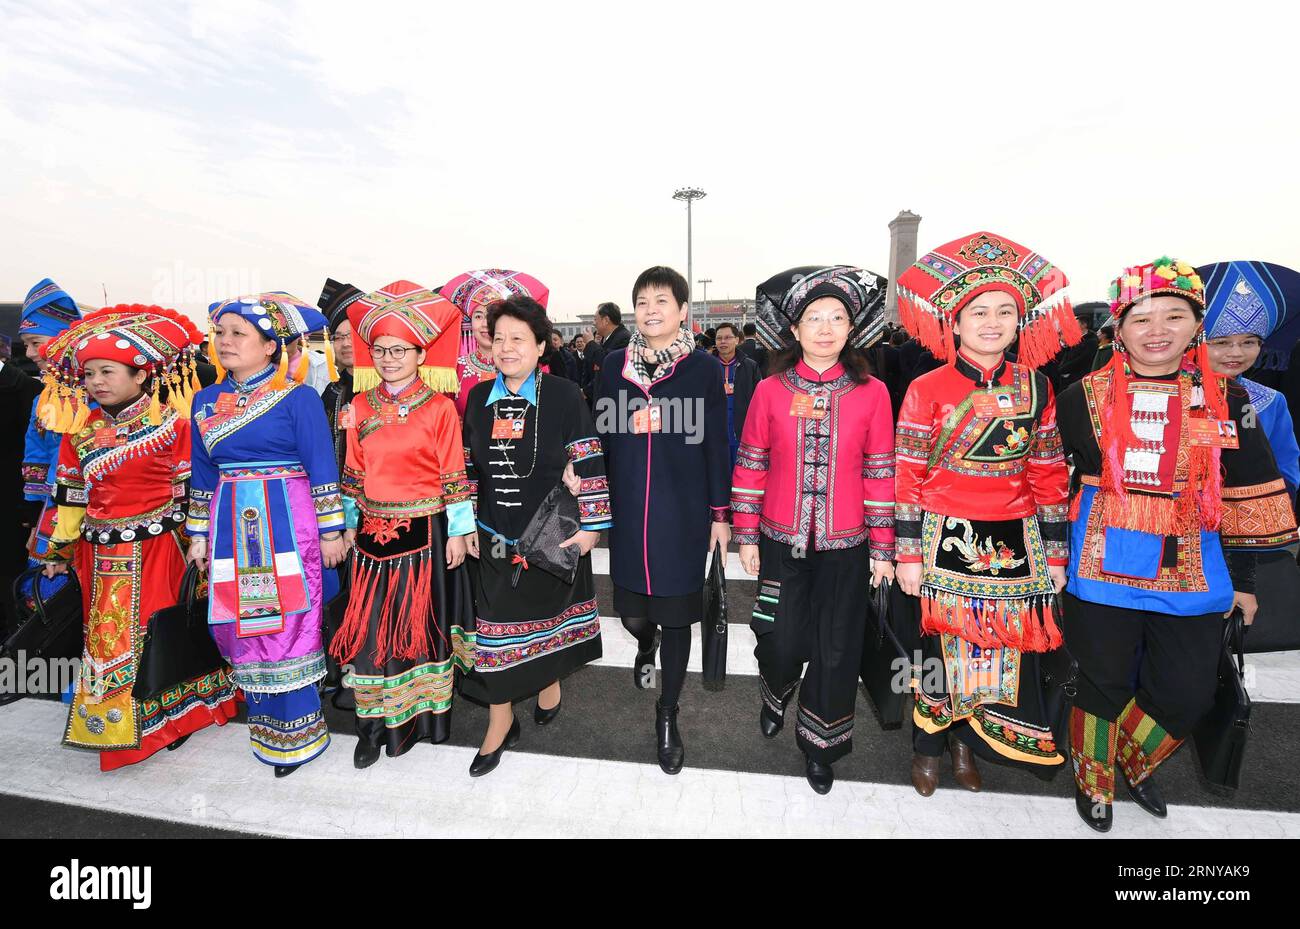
{"x": 769, "y": 723}
{"x": 486, "y": 764}
{"x": 1099, "y": 816}
{"x": 364, "y": 755}
{"x": 1147, "y": 795}
{"x": 668, "y": 741}
{"x": 821, "y": 777}
{"x": 543, "y": 717}
{"x": 178, "y": 743}
{"x": 284, "y": 770}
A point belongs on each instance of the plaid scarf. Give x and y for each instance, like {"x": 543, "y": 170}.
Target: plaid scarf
{"x": 642, "y": 354}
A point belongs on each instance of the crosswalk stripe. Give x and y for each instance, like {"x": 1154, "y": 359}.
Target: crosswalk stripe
{"x": 426, "y": 793}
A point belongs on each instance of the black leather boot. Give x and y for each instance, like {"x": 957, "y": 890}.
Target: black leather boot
{"x": 1147, "y": 795}
{"x": 668, "y": 741}
{"x": 178, "y": 743}
{"x": 643, "y": 668}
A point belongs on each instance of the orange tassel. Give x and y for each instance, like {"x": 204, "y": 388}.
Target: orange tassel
{"x": 330, "y": 367}
{"x": 303, "y": 367}
{"x": 155, "y": 409}
{"x": 281, "y": 379}
{"x": 212, "y": 355}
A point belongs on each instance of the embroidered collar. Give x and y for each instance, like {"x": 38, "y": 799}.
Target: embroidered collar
{"x": 257, "y": 380}
{"x": 527, "y": 391}
{"x": 409, "y": 392}
{"x": 805, "y": 371}
{"x": 977, "y": 372}
{"x": 133, "y": 410}
{"x": 476, "y": 362}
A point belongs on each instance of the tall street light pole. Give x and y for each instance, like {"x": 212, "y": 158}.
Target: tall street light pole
{"x": 689, "y": 195}
{"x": 705, "y": 282}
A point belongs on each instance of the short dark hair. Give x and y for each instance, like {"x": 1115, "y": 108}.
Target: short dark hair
{"x": 899, "y": 338}
{"x": 750, "y": 329}
{"x": 732, "y": 326}
{"x": 525, "y": 309}
{"x": 611, "y": 312}
{"x": 660, "y": 276}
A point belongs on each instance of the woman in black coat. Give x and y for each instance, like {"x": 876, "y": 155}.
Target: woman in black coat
{"x": 661, "y": 414}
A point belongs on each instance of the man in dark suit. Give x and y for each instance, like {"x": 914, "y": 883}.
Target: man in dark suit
{"x": 752, "y": 350}
{"x": 613, "y": 335}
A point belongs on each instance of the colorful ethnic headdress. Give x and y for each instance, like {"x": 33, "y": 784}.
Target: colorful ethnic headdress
{"x": 281, "y": 317}
{"x": 1202, "y": 500}
{"x": 152, "y": 338}
{"x": 479, "y": 288}
{"x": 781, "y": 299}
{"x": 335, "y": 298}
{"x": 934, "y": 289}
{"x": 415, "y": 315}
{"x": 48, "y": 310}
{"x": 1254, "y": 298}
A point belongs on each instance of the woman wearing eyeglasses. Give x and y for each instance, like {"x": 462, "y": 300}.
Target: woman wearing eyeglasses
{"x": 813, "y": 498}
{"x": 409, "y": 622}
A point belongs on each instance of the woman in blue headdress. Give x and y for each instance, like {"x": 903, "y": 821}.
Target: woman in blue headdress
{"x": 48, "y": 311}
{"x": 266, "y": 517}
{"x": 1246, "y": 303}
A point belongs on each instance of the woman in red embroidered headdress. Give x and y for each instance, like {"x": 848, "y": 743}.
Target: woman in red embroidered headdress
{"x": 409, "y": 623}
{"x": 981, "y": 491}
{"x": 120, "y": 487}
{"x": 1173, "y": 496}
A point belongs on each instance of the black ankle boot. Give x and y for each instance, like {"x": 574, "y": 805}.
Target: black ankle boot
{"x": 770, "y": 723}
{"x": 643, "y": 668}
{"x": 1147, "y": 795}
{"x": 821, "y": 777}
{"x": 284, "y": 770}
{"x": 668, "y": 740}
{"x": 364, "y": 755}
{"x": 178, "y": 743}
{"x": 1099, "y": 816}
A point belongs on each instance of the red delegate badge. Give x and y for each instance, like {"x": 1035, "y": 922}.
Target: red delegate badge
{"x": 1218, "y": 433}
{"x": 806, "y": 406}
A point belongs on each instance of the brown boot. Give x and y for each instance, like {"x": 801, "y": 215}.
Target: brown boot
{"x": 963, "y": 765}
{"x": 925, "y": 773}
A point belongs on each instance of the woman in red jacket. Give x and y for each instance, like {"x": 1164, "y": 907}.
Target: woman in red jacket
{"x": 981, "y": 516}
{"x": 812, "y": 502}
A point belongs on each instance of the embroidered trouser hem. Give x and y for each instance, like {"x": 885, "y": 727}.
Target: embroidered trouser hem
{"x": 817, "y": 609}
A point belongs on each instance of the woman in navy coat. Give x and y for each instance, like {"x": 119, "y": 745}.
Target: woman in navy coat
{"x": 661, "y": 413}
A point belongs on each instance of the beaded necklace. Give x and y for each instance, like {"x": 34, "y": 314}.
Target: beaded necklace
{"x": 507, "y": 445}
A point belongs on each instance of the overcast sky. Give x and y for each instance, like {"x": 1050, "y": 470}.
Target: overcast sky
{"x": 182, "y": 152}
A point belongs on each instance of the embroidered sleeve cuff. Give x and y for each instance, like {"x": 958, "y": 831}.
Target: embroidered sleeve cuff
{"x": 744, "y": 536}
{"x": 720, "y": 514}
{"x": 329, "y": 508}
{"x": 1258, "y": 518}
{"x": 880, "y": 552}
{"x": 593, "y": 503}
{"x": 460, "y": 518}
{"x": 200, "y": 512}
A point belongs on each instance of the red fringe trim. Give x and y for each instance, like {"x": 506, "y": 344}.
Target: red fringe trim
{"x": 1016, "y": 624}
{"x": 403, "y": 631}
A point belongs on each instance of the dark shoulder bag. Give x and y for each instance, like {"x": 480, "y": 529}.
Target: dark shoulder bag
{"x": 177, "y": 644}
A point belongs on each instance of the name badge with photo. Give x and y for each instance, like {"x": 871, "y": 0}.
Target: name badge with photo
{"x": 806, "y": 406}
{"x": 646, "y": 420}
{"x": 1216, "y": 433}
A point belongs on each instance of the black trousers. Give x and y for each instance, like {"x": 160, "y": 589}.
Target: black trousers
{"x": 1177, "y": 667}
{"x": 813, "y": 609}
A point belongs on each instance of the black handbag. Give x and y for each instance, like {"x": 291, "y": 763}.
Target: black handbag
{"x": 885, "y": 669}
{"x": 555, "y": 521}
{"x": 713, "y": 630}
{"x": 1220, "y": 736}
{"x": 1277, "y": 621}
{"x": 52, "y": 628}
{"x": 177, "y": 644}
{"x": 1059, "y": 674}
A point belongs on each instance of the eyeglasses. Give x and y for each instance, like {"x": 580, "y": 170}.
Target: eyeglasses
{"x": 345, "y": 337}
{"x": 834, "y": 320}
{"x": 396, "y": 352}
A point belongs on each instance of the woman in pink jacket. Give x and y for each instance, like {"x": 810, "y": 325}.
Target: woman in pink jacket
{"x": 813, "y": 501}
